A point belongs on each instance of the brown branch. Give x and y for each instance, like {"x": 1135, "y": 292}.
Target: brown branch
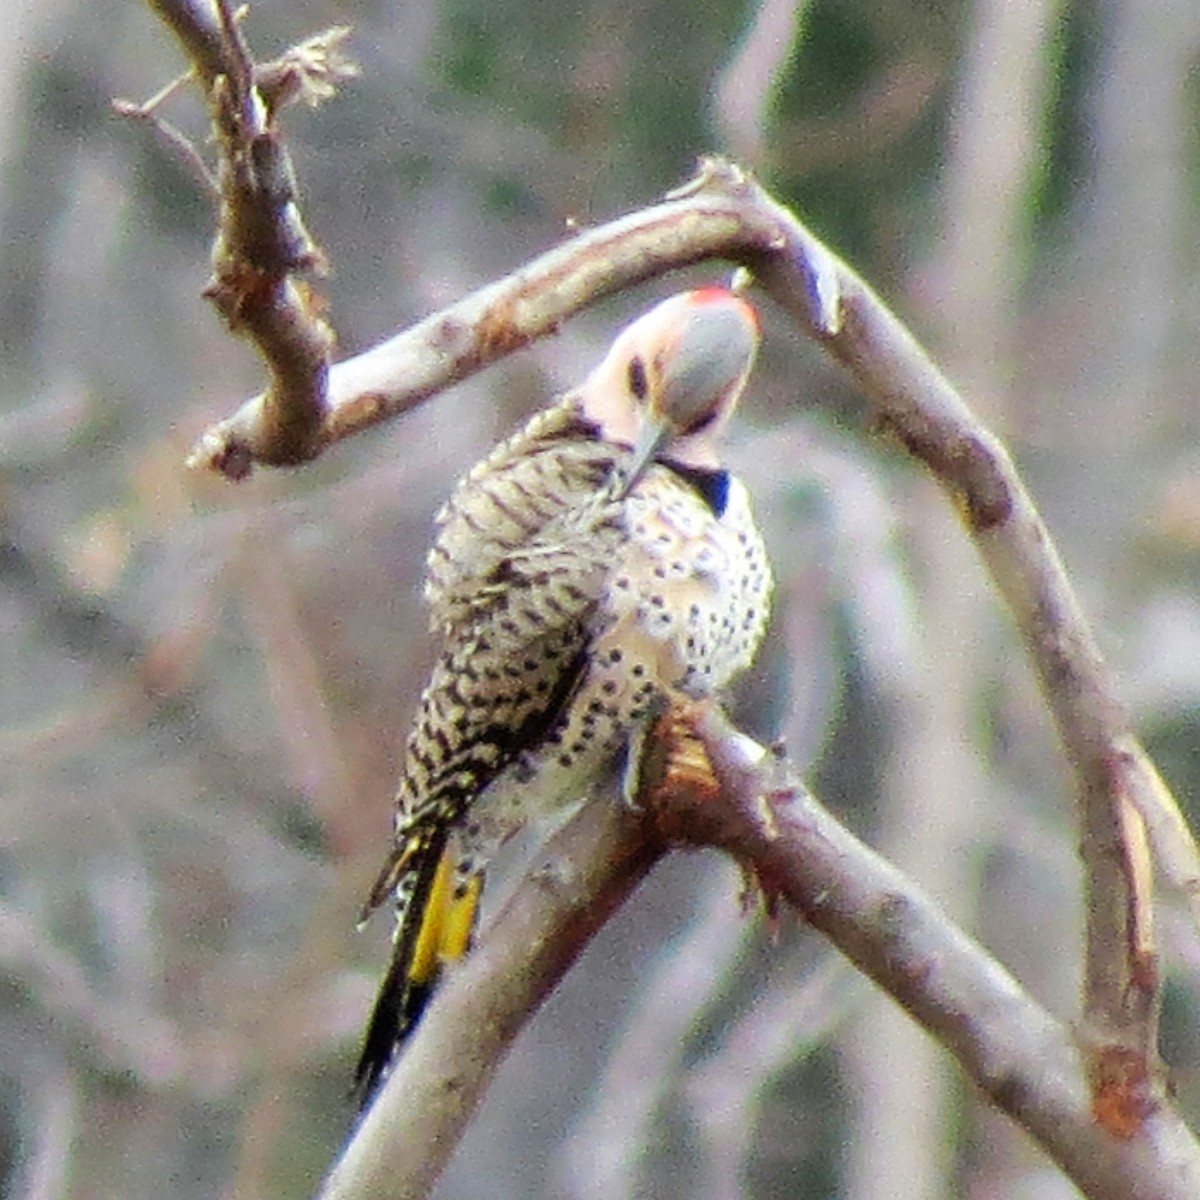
{"x": 1025, "y": 1061}
{"x": 262, "y": 247}
{"x": 407, "y": 1136}
{"x": 1017, "y": 1053}
{"x": 1116, "y": 784}
{"x": 262, "y": 243}
{"x": 719, "y": 219}
{"x": 726, "y": 214}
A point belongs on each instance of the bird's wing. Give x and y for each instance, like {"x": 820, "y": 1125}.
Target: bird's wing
{"x": 502, "y": 682}
{"x": 541, "y": 491}
{"x": 496, "y": 691}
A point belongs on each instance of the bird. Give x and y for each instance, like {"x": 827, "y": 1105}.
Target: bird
{"x": 593, "y": 566}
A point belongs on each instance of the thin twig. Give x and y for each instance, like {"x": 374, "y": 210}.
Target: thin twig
{"x": 175, "y": 139}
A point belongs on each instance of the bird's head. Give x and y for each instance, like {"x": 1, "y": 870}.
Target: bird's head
{"x": 673, "y": 378}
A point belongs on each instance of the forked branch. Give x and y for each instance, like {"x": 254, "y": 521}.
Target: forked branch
{"x": 725, "y": 214}
{"x": 261, "y": 247}
{"x": 754, "y": 806}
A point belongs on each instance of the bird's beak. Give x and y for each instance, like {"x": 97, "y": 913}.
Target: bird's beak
{"x": 655, "y": 432}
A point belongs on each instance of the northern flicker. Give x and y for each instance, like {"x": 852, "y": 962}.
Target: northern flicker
{"x": 591, "y": 566}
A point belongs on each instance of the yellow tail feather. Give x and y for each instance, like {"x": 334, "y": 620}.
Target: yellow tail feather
{"x": 436, "y": 928}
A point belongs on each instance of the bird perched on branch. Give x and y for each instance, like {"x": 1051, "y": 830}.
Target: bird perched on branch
{"x": 591, "y": 567}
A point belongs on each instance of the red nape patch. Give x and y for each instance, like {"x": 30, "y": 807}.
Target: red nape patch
{"x": 714, "y": 293}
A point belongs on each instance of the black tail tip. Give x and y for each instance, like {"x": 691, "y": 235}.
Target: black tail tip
{"x": 396, "y": 1014}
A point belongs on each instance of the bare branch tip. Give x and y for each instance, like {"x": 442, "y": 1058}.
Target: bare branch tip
{"x": 765, "y": 809}
{"x": 178, "y": 142}
{"x": 223, "y": 454}
{"x": 310, "y": 72}
{"x": 744, "y": 752}
{"x": 822, "y": 279}
{"x": 713, "y": 174}
{"x": 826, "y": 293}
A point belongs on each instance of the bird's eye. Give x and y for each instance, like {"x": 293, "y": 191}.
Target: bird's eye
{"x": 638, "y": 384}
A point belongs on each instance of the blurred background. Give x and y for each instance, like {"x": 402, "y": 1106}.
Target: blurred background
{"x": 205, "y": 686}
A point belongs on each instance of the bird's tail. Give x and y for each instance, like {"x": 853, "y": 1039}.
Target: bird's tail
{"x": 435, "y": 924}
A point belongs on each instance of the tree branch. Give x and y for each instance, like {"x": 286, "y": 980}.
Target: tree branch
{"x": 407, "y": 1135}
{"x": 719, "y": 218}
{"x": 262, "y": 244}
{"x": 726, "y": 214}
{"x": 1016, "y": 1052}
{"x": 263, "y": 247}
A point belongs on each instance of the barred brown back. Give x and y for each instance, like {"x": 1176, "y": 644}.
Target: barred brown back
{"x": 574, "y": 587}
